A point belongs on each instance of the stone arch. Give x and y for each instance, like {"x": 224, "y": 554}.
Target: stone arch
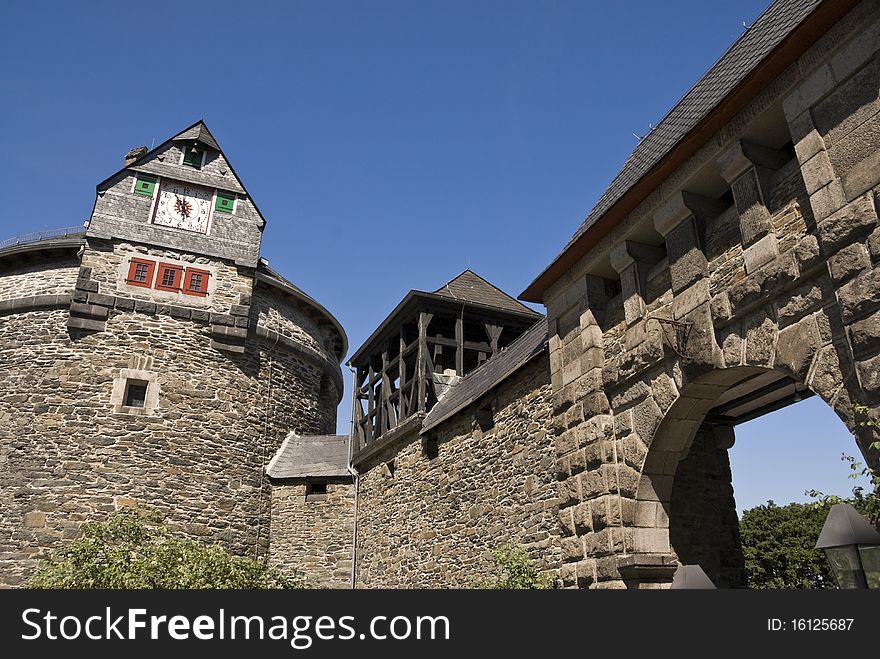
{"x": 687, "y": 451}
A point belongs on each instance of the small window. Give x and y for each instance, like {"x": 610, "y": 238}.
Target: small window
{"x": 193, "y": 157}
{"x": 431, "y": 448}
{"x": 169, "y": 277}
{"x": 145, "y": 186}
{"x": 225, "y": 202}
{"x": 135, "y": 393}
{"x": 196, "y": 282}
{"x": 140, "y": 273}
{"x": 316, "y": 491}
{"x": 485, "y": 419}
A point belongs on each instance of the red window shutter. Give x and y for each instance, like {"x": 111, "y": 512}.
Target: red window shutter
{"x": 169, "y": 277}
{"x": 140, "y": 273}
{"x": 196, "y": 282}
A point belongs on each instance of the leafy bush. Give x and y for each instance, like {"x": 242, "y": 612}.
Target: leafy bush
{"x": 134, "y": 549}
{"x": 516, "y": 571}
{"x": 778, "y": 546}
{"x": 779, "y": 542}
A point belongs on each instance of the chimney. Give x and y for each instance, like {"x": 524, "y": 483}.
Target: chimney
{"x": 134, "y": 154}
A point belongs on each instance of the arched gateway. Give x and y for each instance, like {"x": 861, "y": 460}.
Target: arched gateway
{"x": 730, "y": 268}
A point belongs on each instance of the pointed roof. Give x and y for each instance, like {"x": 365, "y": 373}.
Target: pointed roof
{"x": 469, "y": 286}
{"x": 148, "y": 164}
{"x": 198, "y": 132}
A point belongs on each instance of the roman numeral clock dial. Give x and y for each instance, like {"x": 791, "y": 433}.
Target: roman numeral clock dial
{"x": 183, "y": 207}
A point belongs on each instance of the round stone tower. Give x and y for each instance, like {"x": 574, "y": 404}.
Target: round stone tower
{"x": 153, "y": 358}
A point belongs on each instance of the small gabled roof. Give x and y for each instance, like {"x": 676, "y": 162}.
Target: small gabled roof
{"x": 195, "y": 132}
{"x": 310, "y": 456}
{"x": 489, "y": 374}
{"x": 469, "y": 286}
{"x": 198, "y": 132}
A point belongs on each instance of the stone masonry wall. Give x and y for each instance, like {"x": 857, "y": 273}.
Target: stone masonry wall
{"x": 120, "y": 213}
{"x": 434, "y": 522}
{"x": 44, "y": 277}
{"x": 313, "y": 534}
{"x": 69, "y": 454}
{"x": 110, "y": 261}
{"x": 785, "y": 281}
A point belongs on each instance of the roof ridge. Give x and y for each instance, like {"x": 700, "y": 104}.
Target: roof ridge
{"x": 517, "y": 303}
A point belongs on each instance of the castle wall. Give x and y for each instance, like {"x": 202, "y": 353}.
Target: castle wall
{"x": 313, "y": 532}
{"x": 50, "y": 276}
{"x": 71, "y": 452}
{"x": 782, "y": 283}
{"x": 434, "y": 522}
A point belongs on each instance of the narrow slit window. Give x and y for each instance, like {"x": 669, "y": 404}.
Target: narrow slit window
{"x": 135, "y": 393}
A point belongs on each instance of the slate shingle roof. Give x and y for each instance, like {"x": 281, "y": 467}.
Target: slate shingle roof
{"x": 497, "y": 369}
{"x": 310, "y": 456}
{"x": 473, "y": 288}
{"x": 199, "y": 131}
{"x": 767, "y": 32}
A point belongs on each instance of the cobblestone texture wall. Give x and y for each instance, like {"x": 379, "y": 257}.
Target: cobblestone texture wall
{"x": 434, "y": 522}
{"x": 67, "y": 454}
{"x": 44, "y": 277}
{"x": 702, "y": 498}
{"x": 313, "y": 534}
{"x": 110, "y": 262}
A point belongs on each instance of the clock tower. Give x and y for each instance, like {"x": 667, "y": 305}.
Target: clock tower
{"x": 175, "y": 227}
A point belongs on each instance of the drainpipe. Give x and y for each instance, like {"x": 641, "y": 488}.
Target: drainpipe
{"x": 355, "y": 475}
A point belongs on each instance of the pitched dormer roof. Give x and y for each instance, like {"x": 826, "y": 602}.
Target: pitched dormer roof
{"x": 469, "y": 286}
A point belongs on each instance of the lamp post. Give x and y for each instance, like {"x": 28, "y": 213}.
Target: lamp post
{"x": 852, "y": 547}
{"x": 691, "y": 577}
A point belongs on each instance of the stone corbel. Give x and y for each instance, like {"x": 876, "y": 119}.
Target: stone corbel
{"x": 631, "y": 260}
{"x": 748, "y": 167}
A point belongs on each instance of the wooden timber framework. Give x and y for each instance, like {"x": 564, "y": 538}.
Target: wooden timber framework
{"x": 421, "y": 349}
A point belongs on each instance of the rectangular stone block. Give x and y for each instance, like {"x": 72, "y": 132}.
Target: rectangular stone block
{"x": 848, "y": 262}
{"x": 145, "y": 307}
{"x": 124, "y": 304}
{"x": 761, "y": 253}
{"x": 865, "y": 336}
{"x": 102, "y": 300}
{"x": 817, "y": 171}
{"x": 860, "y": 297}
{"x": 88, "y": 311}
{"x": 655, "y": 541}
{"x": 87, "y": 324}
{"x": 827, "y": 200}
{"x": 688, "y": 300}
{"x": 754, "y": 220}
{"x": 848, "y": 224}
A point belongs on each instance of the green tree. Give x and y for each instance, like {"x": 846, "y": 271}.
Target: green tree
{"x": 779, "y": 542}
{"x": 778, "y": 546}
{"x": 132, "y": 548}
{"x": 515, "y": 571}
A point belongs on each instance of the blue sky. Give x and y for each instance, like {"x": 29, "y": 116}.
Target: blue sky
{"x": 389, "y": 144}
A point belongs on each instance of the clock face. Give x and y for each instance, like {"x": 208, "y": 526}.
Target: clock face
{"x": 183, "y": 206}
